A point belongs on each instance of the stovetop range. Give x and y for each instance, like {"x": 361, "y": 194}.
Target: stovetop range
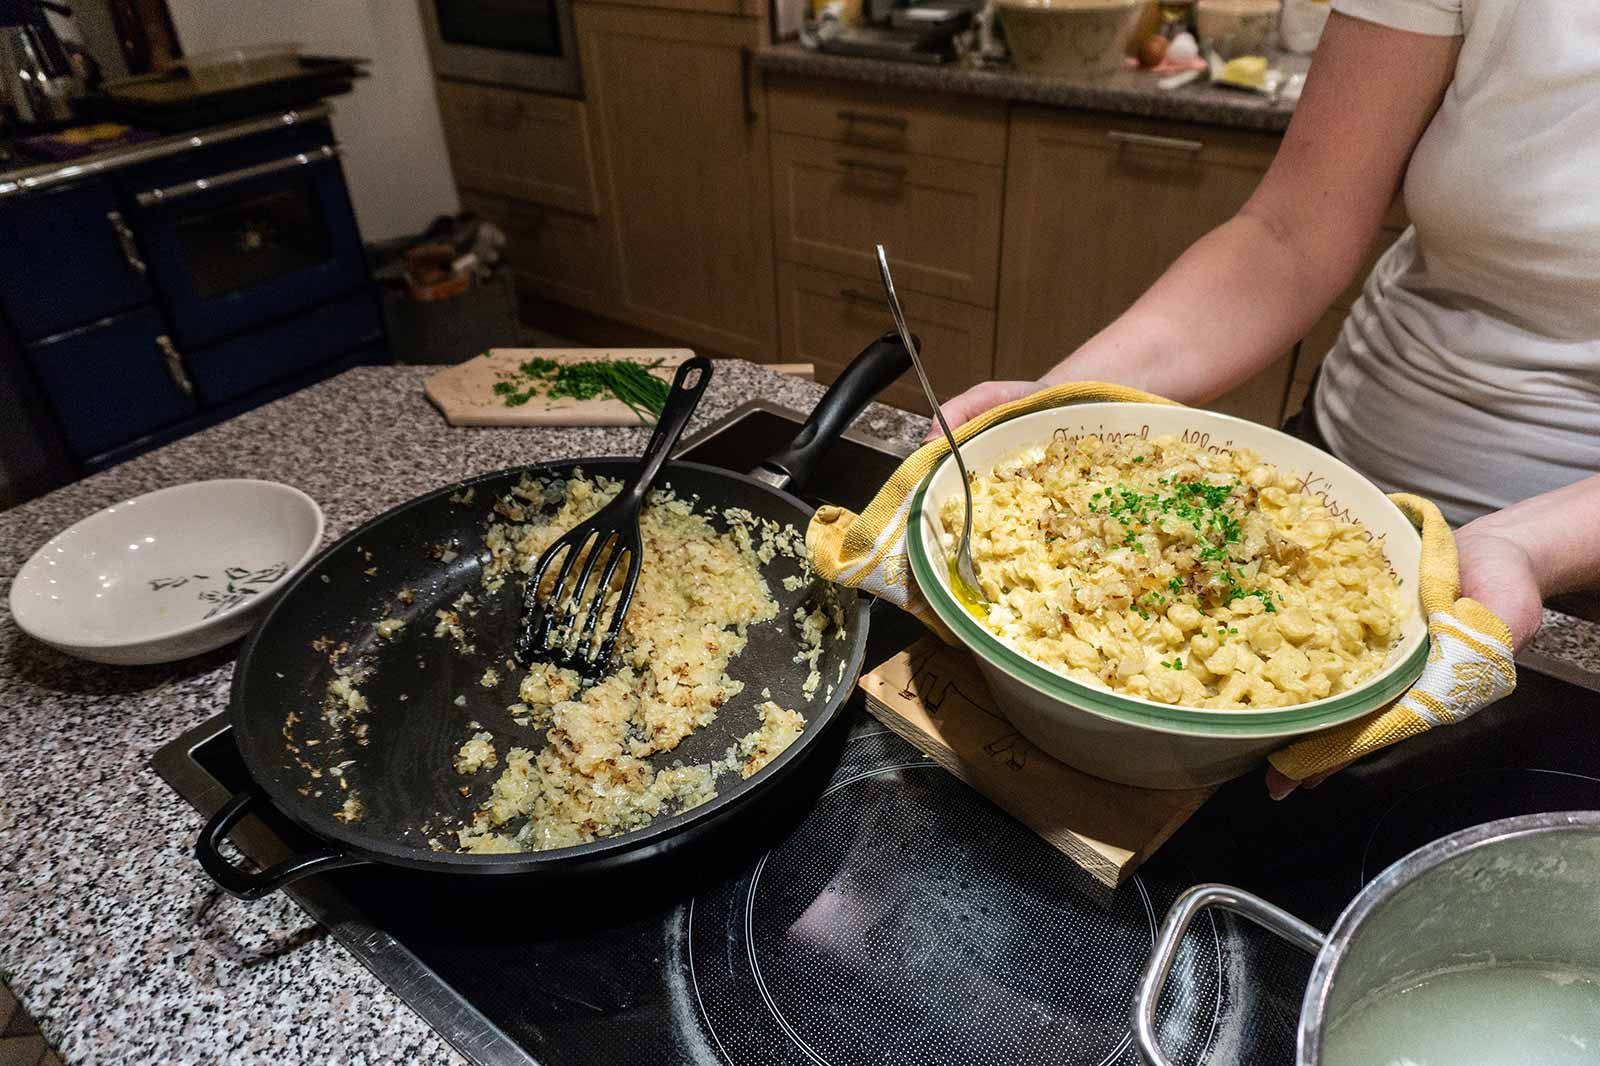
{"x": 879, "y": 911}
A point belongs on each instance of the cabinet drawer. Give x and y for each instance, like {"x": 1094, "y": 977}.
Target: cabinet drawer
{"x": 826, "y": 318}
{"x": 520, "y": 144}
{"x": 564, "y": 256}
{"x": 229, "y": 370}
{"x": 955, "y": 128}
{"x": 70, "y": 258}
{"x": 110, "y": 382}
{"x": 939, "y": 218}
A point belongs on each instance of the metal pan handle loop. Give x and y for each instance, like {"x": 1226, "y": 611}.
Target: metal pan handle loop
{"x": 248, "y": 884}
{"x": 1184, "y": 912}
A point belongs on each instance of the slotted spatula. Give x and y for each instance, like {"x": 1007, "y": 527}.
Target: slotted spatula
{"x": 558, "y": 628}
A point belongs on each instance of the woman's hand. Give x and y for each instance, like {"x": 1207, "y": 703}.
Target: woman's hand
{"x": 1499, "y": 573}
{"x": 980, "y": 398}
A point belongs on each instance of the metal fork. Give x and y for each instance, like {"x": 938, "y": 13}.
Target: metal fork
{"x": 966, "y": 569}
{"x": 551, "y": 627}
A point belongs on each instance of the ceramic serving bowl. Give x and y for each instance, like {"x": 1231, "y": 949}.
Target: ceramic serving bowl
{"x": 1237, "y": 27}
{"x": 1126, "y": 738}
{"x": 1069, "y": 36}
{"x": 169, "y": 574}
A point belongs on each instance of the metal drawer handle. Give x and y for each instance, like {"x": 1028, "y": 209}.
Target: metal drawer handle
{"x": 894, "y": 122}
{"x": 1146, "y": 140}
{"x": 130, "y": 250}
{"x": 892, "y": 170}
{"x": 152, "y": 197}
{"x": 175, "y": 369}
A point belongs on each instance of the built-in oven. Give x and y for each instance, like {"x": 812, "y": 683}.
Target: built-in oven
{"x": 246, "y": 234}
{"x": 529, "y": 44}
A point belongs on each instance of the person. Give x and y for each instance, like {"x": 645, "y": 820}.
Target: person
{"x": 1469, "y": 369}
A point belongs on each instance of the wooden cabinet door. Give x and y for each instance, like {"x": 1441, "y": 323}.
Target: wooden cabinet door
{"x": 681, "y": 148}
{"x": 1096, "y": 209}
{"x": 938, "y": 218}
{"x": 520, "y": 144}
{"x": 828, "y": 318}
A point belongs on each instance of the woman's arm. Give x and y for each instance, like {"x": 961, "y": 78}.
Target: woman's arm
{"x": 1545, "y": 546}
{"x": 1248, "y": 290}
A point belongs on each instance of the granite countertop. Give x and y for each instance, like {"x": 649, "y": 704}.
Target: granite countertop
{"x": 1123, "y": 92}
{"x": 110, "y": 934}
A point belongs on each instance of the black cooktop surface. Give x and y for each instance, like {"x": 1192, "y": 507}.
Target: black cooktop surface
{"x": 879, "y": 911}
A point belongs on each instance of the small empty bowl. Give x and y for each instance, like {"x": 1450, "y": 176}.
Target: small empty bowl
{"x": 169, "y": 574}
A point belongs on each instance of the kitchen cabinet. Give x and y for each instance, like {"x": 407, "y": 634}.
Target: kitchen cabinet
{"x": 828, "y": 317}
{"x": 69, "y": 257}
{"x": 519, "y": 144}
{"x": 681, "y": 155}
{"x": 834, "y": 202}
{"x": 555, "y": 254}
{"x": 1097, "y": 207}
{"x": 113, "y": 381}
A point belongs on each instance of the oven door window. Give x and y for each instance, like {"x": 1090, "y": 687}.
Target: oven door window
{"x": 528, "y": 27}
{"x": 253, "y": 239}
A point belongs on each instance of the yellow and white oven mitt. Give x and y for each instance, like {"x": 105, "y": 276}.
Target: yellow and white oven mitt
{"x": 1469, "y": 663}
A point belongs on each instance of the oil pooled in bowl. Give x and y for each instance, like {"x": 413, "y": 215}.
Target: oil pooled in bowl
{"x": 1496, "y": 1015}
{"x": 958, "y": 588}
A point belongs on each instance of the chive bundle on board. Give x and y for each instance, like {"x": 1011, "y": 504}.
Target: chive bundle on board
{"x": 631, "y": 382}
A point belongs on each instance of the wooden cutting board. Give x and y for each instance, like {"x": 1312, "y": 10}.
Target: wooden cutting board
{"x": 934, "y": 697}
{"x": 465, "y": 394}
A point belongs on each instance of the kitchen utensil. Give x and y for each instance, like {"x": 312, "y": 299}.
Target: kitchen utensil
{"x": 933, "y": 696}
{"x": 1070, "y": 37}
{"x": 430, "y": 547}
{"x": 966, "y": 571}
{"x": 169, "y": 574}
{"x": 1521, "y": 891}
{"x": 557, "y": 627}
{"x": 1125, "y": 738}
{"x": 36, "y": 77}
{"x": 465, "y": 394}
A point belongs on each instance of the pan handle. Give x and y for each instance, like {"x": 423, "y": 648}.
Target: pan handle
{"x": 884, "y": 360}
{"x": 1185, "y": 910}
{"x": 253, "y": 885}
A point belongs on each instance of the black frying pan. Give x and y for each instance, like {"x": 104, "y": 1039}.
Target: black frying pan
{"x": 403, "y": 773}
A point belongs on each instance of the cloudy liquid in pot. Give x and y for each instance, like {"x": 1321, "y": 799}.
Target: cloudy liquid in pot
{"x": 1502, "y": 1015}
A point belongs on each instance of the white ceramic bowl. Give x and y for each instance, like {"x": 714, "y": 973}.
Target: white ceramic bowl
{"x": 169, "y": 574}
{"x": 1069, "y": 36}
{"x": 1126, "y": 738}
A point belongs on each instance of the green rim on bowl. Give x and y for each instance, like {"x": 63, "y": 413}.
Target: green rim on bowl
{"x": 1147, "y": 714}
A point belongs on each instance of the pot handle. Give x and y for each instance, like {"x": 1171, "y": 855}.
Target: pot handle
{"x": 253, "y": 885}
{"x": 868, "y": 374}
{"x": 1183, "y": 912}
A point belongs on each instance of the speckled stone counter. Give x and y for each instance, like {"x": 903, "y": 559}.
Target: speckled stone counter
{"x": 109, "y": 933}
{"x": 1124, "y": 92}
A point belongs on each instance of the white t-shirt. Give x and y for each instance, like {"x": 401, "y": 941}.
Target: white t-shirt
{"x": 1469, "y": 370}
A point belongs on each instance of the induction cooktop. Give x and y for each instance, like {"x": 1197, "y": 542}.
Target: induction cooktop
{"x": 887, "y": 913}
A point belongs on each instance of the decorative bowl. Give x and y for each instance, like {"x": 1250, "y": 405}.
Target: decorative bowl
{"x": 1069, "y": 36}
{"x": 1126, "y": 738}
{"x": 169, "y": 574}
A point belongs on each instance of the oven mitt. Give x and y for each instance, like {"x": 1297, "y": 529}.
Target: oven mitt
{"x": 1469, "y": 662}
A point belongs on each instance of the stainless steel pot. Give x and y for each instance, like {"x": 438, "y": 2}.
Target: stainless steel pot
{"x": 1519, "y": 890}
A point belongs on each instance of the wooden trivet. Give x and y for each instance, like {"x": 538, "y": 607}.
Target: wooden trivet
{"x": 933, "y": 696}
